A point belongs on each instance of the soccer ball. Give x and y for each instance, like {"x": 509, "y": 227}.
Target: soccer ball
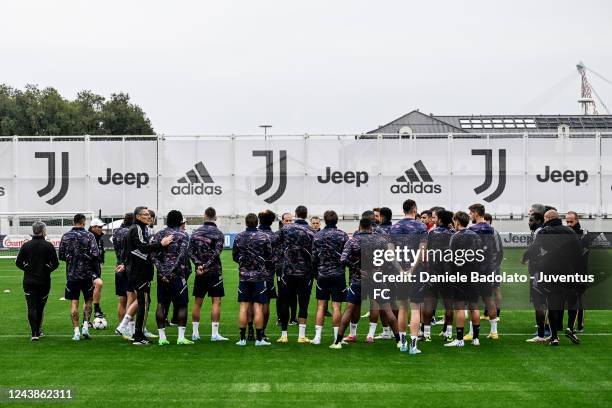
{"x": 99, "y": 323}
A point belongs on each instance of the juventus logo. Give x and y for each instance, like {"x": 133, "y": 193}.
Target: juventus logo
{"x": 51, "y": 176}
{"x": 282, "y": 185}
{"x": 488, "y": 181}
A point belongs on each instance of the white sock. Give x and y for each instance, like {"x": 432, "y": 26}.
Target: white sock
{"x": 126, "y": 319}
{"x": 353, "y": 329}
{"x": 162, "y": 334}
{"x": 427, "y": 330}
{"x": 318, "y": 330}
{"x": 386, "y": 330}
{"x": 195, "y": 329}
{"x": 335, "y": 332}
{"x": 471, "y": 332}
{"x": 85, "y": 326}
{"x": 215, "y": 329}
{"x": 413, "y": 341}
{"x": 449, "y": 330}
{"x": 181, "y": 333}
{"x": 302, "y": 330}
{"x": 402, "y": 336}
{"x": 493, "y": 326}
{"x": 132, "y": 326}
{"x": 76, "y": 330}
{"x": 372, "y": 329}
{"x": 283, "y": 333}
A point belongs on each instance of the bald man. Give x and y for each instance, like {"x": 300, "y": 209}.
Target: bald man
{"x": 557, "y": 249}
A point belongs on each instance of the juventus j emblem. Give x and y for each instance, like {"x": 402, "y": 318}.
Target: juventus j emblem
{"x": 282, "y": 185}
{"x": 488, "y": 181}
{"x": 51, "y": 176}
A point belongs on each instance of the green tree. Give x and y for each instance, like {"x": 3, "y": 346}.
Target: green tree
{"x": 36, "y": 112}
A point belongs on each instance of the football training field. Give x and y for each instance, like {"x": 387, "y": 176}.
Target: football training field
{"x": 110, "y": 372}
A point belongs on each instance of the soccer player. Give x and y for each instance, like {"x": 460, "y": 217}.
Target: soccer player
{"x": 438, "y": 239}
{"x": 499, "y": 251}
{"x": 558, "y": 251}
{"x": 79, "y": 249}
{"x": 331, "y": 283}
{"x": 139, "y": 266}
{"x": 411, "y": 233}
{"x": 266, "y": 218}
{"x": 315, "y": 223}
{"x": 351, "y": 258}
{"x": 286, "y": 218}
{"x": 536, "y": 295}
{"x": 463, "y": 240}
{"x": 173, "y": 269}
{"x": 576, "y": 316}
{"x": 205, "y": 247}
{"x": 252, "y": 251}
{"x": 120, "y": 276}
{"x": 426, "y": 219}
{"x": 296, "y": 278}
{"x": 96, "y": 229}
{"x": 487, "y": 267}
{"x": 385, "y": 217}
{"x": 37, "y": 259}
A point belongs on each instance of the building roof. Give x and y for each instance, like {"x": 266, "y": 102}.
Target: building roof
{"x": 417, "y": 122}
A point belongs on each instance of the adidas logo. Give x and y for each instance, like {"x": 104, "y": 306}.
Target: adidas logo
{"x": 601, "y": 241}
{"x": 194, "y": 183}
{"x": 416, "y": 182}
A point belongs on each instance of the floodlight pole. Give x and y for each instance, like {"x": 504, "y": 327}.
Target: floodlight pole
{"x": 265, "y": 128}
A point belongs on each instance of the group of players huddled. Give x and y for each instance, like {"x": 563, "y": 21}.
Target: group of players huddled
{"x": 283, "y": 265}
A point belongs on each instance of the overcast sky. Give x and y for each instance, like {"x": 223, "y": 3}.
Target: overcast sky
{"x": 203, "y": 67}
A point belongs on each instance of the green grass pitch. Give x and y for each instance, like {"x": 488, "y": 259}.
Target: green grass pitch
{"x": 107, "y": 371}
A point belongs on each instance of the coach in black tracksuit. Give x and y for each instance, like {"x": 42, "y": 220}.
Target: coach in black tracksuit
{"x": 558, "y": 249}
{"x": 139, "y": 266}
{"x": 37, "y": 258}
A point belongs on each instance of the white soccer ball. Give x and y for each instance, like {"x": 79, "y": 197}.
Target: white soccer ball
{"x": 99, "y": 323}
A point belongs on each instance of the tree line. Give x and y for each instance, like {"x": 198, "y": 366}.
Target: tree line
{"x": 44, "y": 112}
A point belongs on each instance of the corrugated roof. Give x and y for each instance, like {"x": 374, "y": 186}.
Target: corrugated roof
{"x": 421, "y": 123}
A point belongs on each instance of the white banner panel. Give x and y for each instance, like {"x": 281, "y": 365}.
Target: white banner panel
{"x": 563, "y": 173}
{"x": 606, "y": 174}
{"x": 490, "y": 172}
{"x": 7, "y": 194}
{"x": 415, "y": 168}
{"x": 123, "y": 175}
{"x": 238, "y": 175}
{"x": 195, "y": 174}
{"x": 107, "y": 175}
{"x": 52, "y": 175}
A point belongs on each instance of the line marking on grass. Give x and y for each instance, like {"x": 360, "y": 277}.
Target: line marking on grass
{"x": 94, "y": 334}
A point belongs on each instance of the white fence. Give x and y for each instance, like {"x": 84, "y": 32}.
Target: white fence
{"x": 239, "y": 174}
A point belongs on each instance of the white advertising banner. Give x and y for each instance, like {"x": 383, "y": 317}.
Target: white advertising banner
{"x": 237, "y": 175}
{"x": 66, "y": 174}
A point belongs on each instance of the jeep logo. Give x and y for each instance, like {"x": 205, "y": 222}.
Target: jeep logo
{"x": 140, "y": 179}
{"x": 568, "y": 176}
{"x": 350, "y": 177}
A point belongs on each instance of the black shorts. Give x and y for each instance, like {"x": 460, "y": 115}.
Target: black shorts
{"x": 354, "y": 293}
{"x": 333, "y": 287}
{"x": 252, "y": 292}
{"x": 74, "y": 288}
{"x": 210, "y": 284}
{"x": 300, "y": 286}
{"x": 121, "y": 284}
{"x": 175, "y": 292}
{"x": 438, "y": 290}
{"x": 271, "y": 290}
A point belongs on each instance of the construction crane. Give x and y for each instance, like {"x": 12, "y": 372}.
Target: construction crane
{"x": 586, "y": 100}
